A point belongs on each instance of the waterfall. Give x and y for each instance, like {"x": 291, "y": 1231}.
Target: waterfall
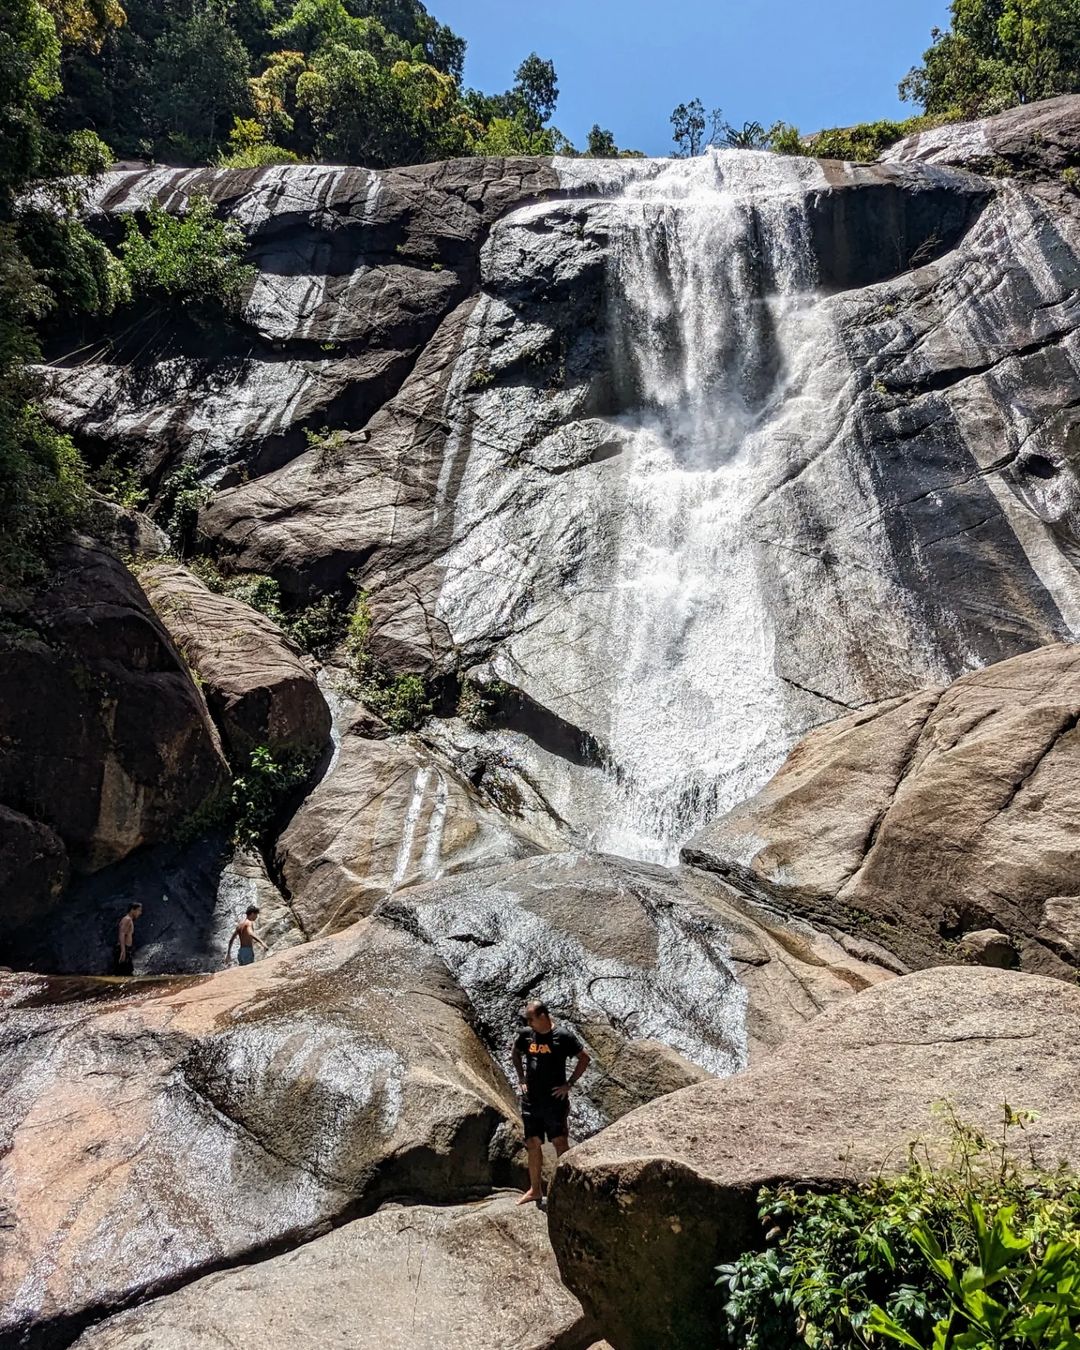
{"x": 713, "y": 329}
{"x": 629, "y": 596}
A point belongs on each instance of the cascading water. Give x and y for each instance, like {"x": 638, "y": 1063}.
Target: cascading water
{"x": 713, "y": 326}
{"x": 720, "y": 366}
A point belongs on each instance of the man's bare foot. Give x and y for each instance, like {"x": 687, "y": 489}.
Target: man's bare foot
{"x": 531, "y": 1196}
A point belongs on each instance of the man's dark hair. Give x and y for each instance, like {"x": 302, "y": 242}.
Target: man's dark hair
{"x": 135, "y": 904}
{"x": 537, "y": 1008}
{"x": 252, "y": 909}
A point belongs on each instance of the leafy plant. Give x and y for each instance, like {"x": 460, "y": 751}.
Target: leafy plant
{"x": 193, "y": 260}
{"x": 260, "y": 791}
{"x": 403, "y": 703}
{"x": 877, "y": 1259}
{"x": 183, "y": 495}
{"x": 249, "y": 148}
{"x": 1010, "y": 1296}
{"x": 319, "y": 627}
{"x": 477, "y": 702}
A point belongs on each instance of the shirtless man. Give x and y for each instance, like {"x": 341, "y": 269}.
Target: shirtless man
{"x": 125, "y": 941}
{"x": 245, "y": 931}
{"x": 540, "y": 1056}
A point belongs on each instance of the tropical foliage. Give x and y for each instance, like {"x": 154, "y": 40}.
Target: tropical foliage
{"x": 974, "y": 1252}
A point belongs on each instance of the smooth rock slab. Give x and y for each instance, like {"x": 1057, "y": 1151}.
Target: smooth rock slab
{"x": 476, "y": 1277}
{"x": 151, "y": 1132}
{"x": 925, "y": 818}
{"x": 106, "y": 739}
{"x": 659, "y": 973}
{"x": 257, "y": 685}
{"x": 386, "y": 815}
{"x": 641, "y": 1214}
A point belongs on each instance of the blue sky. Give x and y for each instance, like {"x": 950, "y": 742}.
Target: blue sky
{"x": 627, "y": 63}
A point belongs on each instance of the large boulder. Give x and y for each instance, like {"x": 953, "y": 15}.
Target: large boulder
{"x": 259, "y": 689}
{"x": 1037, "y": 139}
{"x": 642, "y": 1213}
{"x": 149, "y": 1134}
{"x": 33, "y": 868}
{"x": 476, "y": 1277}
{"x": 107, "y": 740}
{"x": 385, "y": 815}
{"x": 926, "y": 818}
{"x": 641, "y": 964}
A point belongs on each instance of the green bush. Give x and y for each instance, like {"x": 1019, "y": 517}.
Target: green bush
{"x": 358, "y": 632}
{"x": 193, "y": 261}
{"x": 914, "y": 1257}
{"x": 249, "y": 148}
{"x": 859, "y": 144}
{"x": 402, "y": 703}
{"x": 318, "y": 627}
{"x": 259, "y": 793}
{"x": 183, "y": 494}
{"x": 42, "y": 489}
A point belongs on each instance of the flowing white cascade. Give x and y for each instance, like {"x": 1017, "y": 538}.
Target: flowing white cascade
{"x": 629, "y": 597}
{"x": 715, "y": 330}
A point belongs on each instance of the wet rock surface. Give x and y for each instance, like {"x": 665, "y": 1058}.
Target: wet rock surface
{"x": 356, "y": 269}
{"x": 476, "y": 1277}
{"x": 385, "y": 815}
{"x": 260, "y": 690}
{"x": 106, "y": 739}
{"x": 1036, "y": 139}
{"x": 641, "y": 1214}
{"x": 925, "y": 819}
{"x": 154, "y": 1131}
{"x": 652, "y": 970}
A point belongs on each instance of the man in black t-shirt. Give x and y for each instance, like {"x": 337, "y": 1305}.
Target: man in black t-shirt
{"x": 540, "y": 1056}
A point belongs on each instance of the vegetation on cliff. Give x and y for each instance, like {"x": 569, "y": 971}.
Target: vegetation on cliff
{"x": 975, "y": 1253}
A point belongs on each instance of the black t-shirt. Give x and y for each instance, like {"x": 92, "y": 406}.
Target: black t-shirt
{"x": 545, "y": 1055}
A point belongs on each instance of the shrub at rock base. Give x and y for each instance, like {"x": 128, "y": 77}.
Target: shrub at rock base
{"x": 973, "y": 1253}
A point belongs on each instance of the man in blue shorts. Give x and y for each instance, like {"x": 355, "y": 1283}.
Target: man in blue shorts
{"x": 245, "y": 931}
{"x": 540, "y": 1055}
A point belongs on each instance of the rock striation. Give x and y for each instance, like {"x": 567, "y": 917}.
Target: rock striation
{"x": 929, "y": 818}
{"x": 258, "y": 687}
{"x": 642, "y": 1213}
{"x": 152, "y": 1133}
{"x": 480, "y": 1276}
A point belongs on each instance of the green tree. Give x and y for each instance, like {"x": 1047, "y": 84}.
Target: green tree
{"x": 998, "y": 53}
{"x": 201, "y": 69}
{"x": 688, "y": 127}
{"x": 363, "y": 113}
{"x": 600, "y": 144}
{"x": 535, "y": 92}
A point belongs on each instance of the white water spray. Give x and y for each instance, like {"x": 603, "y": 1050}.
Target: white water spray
{"x": 725, "y": 369}
{"x": 714, "y": 329}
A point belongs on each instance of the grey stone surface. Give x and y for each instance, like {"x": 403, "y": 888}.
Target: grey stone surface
{"x": 642, "y": 1213}
{"x": 662, "y": 976}
{"x": 151, "y": 1131}
{"x": 476, "y": 1277}
{"x": 947, "y": 813}
{"x": 258, "y": 686}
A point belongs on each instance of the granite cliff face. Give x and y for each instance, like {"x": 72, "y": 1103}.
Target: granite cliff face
{"x": 648, "y": 470}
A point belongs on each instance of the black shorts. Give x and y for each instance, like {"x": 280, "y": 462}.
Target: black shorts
{"x": 545, "y": 1122}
